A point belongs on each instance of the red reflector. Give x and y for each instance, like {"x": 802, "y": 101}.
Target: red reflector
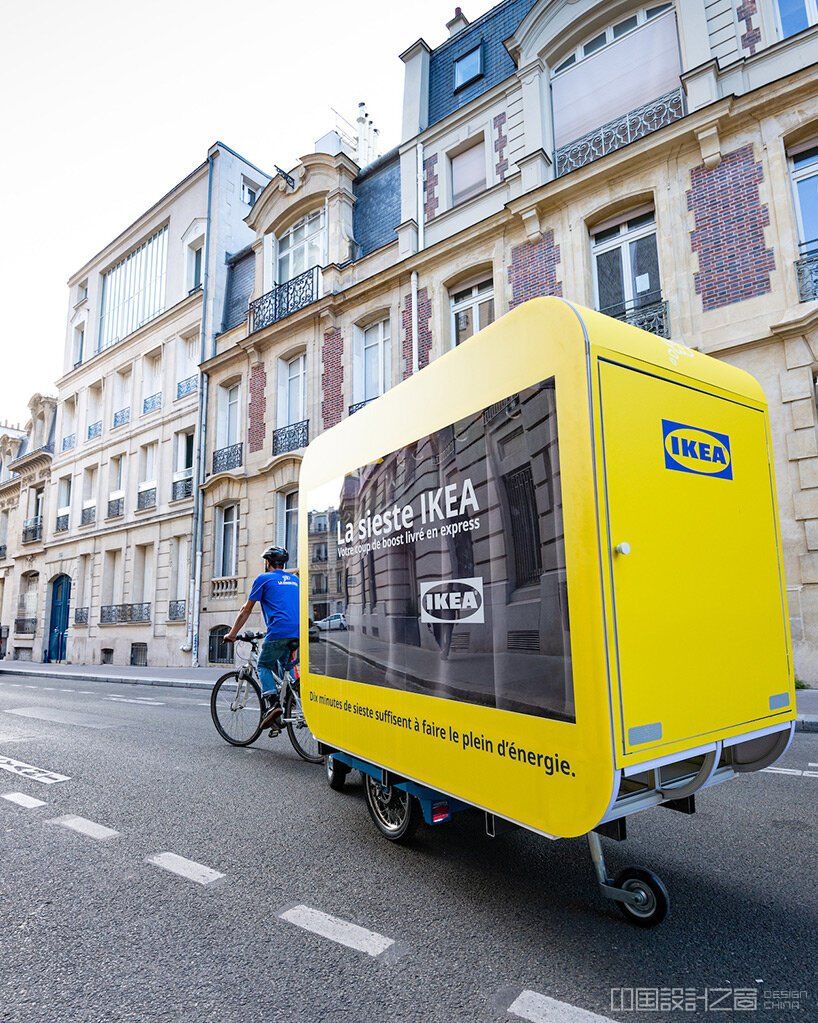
{"x": 440, "y": 813}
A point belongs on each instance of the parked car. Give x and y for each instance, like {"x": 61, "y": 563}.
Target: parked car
{"x": 336, "y": 621}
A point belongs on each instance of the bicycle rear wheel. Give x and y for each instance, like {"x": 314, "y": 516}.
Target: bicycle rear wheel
{"x": 304, "y": 742}
{"x": 236, "y": 708}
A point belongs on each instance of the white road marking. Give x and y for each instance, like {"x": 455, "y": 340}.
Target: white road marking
{"x": 335, "y": 929}
{"x": 29, "y": 771}
{"x": 48, "y": 689}
{"x": 85, "y": 827}
{"x": 539, "y": 1008}
{"x": 21, "y": 799}
{"x": 85, "y": 692}
{"x": 189, "y": 869}
{"x": 783, "y": 770}
{"x": 143, "y": 701}
{"x": 65, "y": 690}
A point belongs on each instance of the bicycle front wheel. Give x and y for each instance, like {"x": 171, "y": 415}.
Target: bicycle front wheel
{"x": 236, "y": 708}
{"x": 304, "y": 742}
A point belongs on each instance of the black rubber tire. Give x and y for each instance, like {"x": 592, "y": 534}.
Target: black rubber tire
{"x": 213, "y": 696}
{"x": 337, "y": 773}
{"x": 657, "y": 903}
{"x": 310, "y": 755}
{"x": 406, "y": 809}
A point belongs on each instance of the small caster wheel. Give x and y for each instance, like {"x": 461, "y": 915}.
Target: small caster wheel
{"x": 653, "y": 899}
{"x": 396, "y": 814}
{"x": 336, "y": 773}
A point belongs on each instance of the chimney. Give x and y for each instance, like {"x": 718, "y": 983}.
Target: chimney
{"x": 458, "y": 22}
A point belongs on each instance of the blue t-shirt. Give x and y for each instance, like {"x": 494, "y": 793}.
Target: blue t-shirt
{"x": 277, "y": 592}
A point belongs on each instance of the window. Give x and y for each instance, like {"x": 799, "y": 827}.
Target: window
{"x": 227, "y": 525}
{"x": 804, "y": 168}
{"x": 219, "y": 652}
{"x": 116, "y": 474}
{"x": 133, "y": 291}
{"x": 147, "y": 464}
{"x": 468, "y": 173}
{"x": 293, "y": 390}
{"x": 372, "y": 371}
{"x": 152, "y": 382}
{"x": 619, "y": 29}
{"x": 82, "y": 291}
{"x": 626, "y": 265}
{"x": 79, "y": 345}
{"x": 472, "y": 309}
{"x": 196, "y": 256}
{"x": 796, "y": 15}
{"x": 184, "y": 452}
{"x": 64, "y": 496}
{"x": 302, "y": 247}
{"x": 249, "y": 192}
{"x": 287, "y": 527}
{"x": 521, "y": 499}
{"x": 229, "y": 415}
{"x": 468, "y": 67}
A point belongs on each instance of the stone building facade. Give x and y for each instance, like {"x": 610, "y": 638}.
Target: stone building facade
{"x": 534, "y": 161}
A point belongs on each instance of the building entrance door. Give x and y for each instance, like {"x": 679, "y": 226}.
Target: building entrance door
{"x": 60, "y": 601}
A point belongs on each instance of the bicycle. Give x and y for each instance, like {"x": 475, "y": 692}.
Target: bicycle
{"x": 237, "y": 706}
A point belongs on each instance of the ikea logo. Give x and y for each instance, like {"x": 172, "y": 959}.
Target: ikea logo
{"x": 691, "y": 449}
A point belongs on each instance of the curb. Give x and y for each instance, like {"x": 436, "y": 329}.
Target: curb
{"x": 127, "y": 680}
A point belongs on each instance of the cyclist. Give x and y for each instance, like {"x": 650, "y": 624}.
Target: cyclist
{"x": 277, "y": 592}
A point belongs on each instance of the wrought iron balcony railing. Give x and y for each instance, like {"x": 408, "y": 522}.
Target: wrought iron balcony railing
{"x": 61, "y": 524}
{"x": 33, "y": 529}
{"x": 81, "y": 615}
{"x": 176, "y": 611}
{"x": 152, "y": 403}
{"x": 291, "y": 438}
{"x": 3, "y": 551}
{"x": 287, "y": 298}
{"x": 228, "y": 458}
{"x": 653, "y": 317}
{"x": 68, "y": 442}
{"x": 620, "y": 132}
{"x": 88, "y": 515}
{"x": 358, "y": 405}
{"x": 116, "y": 508}
{"x": 47, "y": 448}
{"x": 146, "y": 499}
{"x": 25, "y": 626}
{"x": 180, "y": 489}
{"x": 120, "y": 614}
{"x": 806, "y": 269}
{"x": 95, "y": 429}
{"x": 187, "y": 386}
{"x": 122, "y": 418}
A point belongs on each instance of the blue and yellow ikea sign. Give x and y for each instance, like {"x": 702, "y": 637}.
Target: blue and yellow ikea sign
{"x": 692, "y": 449}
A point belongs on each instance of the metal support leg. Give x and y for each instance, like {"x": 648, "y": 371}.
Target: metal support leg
{"x": 605, "y": 883}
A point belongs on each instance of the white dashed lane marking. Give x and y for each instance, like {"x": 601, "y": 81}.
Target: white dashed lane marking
{"x": 29, "y": 771}
{"x": 142, "y": 701}
{"x": 189, "y": 869}
{"x": 792, "y": 771}
{"x": 21, "y": 799}
{"x": 340, "y": 931}
{"x": 539, "y": 1008}
{"x": 85, "y": 827}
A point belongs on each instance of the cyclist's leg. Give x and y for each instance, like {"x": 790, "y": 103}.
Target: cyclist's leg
{"x": 269, "y": 659}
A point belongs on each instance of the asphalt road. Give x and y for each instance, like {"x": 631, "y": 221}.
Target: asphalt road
{"x": 91, "y": 928}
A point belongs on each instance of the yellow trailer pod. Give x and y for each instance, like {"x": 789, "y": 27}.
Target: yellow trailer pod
{"x": 563, "y": 590}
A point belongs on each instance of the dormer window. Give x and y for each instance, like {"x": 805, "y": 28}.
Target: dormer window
{"x": 468, "y": 68}
{"x": 249, "y": 192}
{"x": 302, "y": 246}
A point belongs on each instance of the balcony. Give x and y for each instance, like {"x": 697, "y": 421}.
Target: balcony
{"x": 176, "y": 611}
{"x": 95, "y": 430}
{"x": 61, "y": 524}
{"x": 33, "y": 529}
{"x": 359, "y": 405}
{"x": 188, "y": 386}
{"x": 68, "y": 442}
{"x": 116, "y": 508}
{"x": 287, "y": 298}
{"x": 291, "y": 438}
{"x": 146, "y": 499}
{"x": 224, "y": 587}
{"x": 25, "y": 626}
{"x": 89, "y": 515}
{"x": 652, "y": 317}
{"x": 620, "y": 132}
{"x": 122, "y": 418}
{"x": 152, "y": 403}
{"x": 123, "y": 614}
{"x": 29, "y": 457}
{"x": 81, "y": 615}
{"x": 806, "y": 269}
{"x": 180, "y": 489}
{"x": 228, "y": 458}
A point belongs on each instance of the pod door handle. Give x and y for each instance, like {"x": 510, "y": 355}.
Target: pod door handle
{"x": 622, "y": 548}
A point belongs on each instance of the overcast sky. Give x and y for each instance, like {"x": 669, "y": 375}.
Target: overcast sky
{"x": 105, "y": 105}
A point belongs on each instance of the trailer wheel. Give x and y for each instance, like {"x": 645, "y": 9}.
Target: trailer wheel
{"x": 396, "y": 814}
{"x": 654, "y": 901}
{"x": 336, "y": 773}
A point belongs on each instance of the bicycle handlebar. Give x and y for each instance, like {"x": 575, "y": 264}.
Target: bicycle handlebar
{"x": 246, "y": 637}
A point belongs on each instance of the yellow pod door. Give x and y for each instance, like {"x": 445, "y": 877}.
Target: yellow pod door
{"x": 701, "y": 638}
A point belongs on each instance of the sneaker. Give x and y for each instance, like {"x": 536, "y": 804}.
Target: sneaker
{"x": 272, "y": 718}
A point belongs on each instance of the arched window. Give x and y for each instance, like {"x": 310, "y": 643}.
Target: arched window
{"x": 626, "y": 265}
{"x": 302, "y": 246}
{"x": 472, "y": 308}
{"x": 219, "y": 652}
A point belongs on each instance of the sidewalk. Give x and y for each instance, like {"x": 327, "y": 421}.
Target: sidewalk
{"x": 807, "y": 700}
{"x": 181, "y": 678}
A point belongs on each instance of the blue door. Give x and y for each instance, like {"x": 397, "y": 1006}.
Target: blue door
{"x": 60, "y": 600}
